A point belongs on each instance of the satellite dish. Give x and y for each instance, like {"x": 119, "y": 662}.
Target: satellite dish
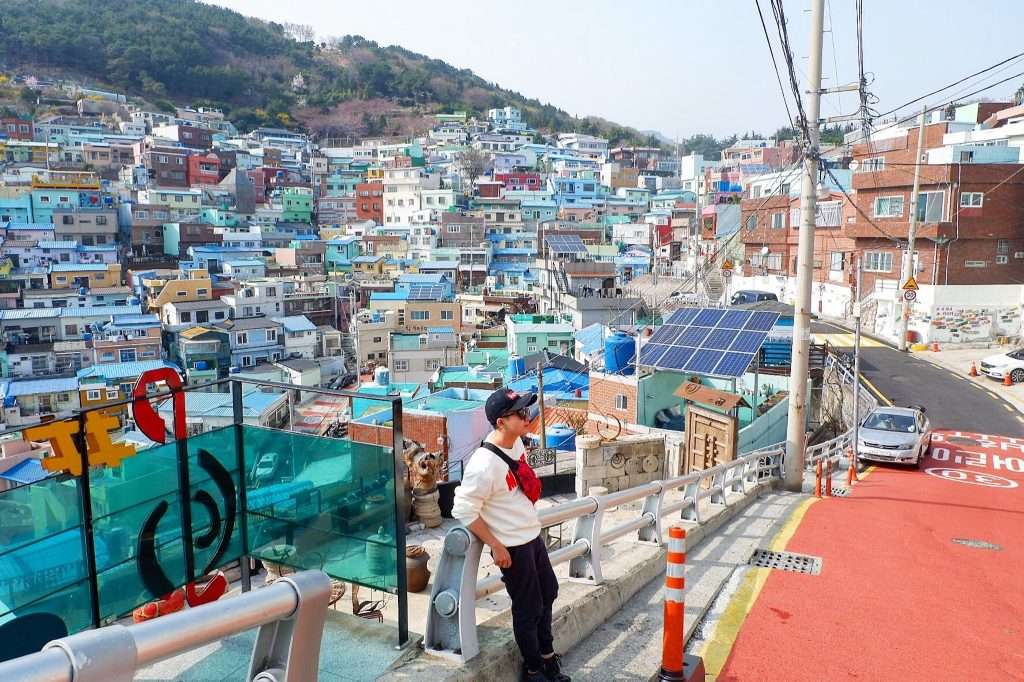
{"x": 764, "y": 250}
{"x": 854, "y": 165}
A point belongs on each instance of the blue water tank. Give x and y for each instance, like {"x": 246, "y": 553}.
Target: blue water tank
{"x": 382, "y": 375}
{"x": 561, "y": 437}
{"x": 619, "y": 351}
{"x": 202, "y": 364}
{"x": 82, "y": 291}
{"x": 516, "y": 366}
{"x": 87, "y": 336}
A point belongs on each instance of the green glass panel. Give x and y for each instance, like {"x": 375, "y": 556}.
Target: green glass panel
{"x": 214, "y": 451}
{"x": 42, "y": 548}
{"x": 319, "y": 502}
{"x": 72, "y": 603}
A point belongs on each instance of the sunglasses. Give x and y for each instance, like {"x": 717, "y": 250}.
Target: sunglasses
{"x": 523, "y": 414}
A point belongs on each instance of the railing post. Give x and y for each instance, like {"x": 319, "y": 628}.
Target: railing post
{"x": 587, "y": 568}
{"x": 718, "y": 487}
{"x": 691, "y": 512}
{"x": 288, "y": 650}
{"x": 451, "y": 619}
{"x": 398, "y": 468}
{"x": 652, "y": 534}
{"x": 243, "y": 494}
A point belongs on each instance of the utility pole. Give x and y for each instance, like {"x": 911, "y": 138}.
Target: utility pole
{"x": 796, "y": 425}
{"x": 908, "y": 260}
{"x": 856, "y": 367}
{"x": 540, "y": 396}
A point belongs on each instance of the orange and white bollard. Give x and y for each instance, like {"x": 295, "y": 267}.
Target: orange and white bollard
{"x": 675, "y": 665}
{"x": 828, "y": 478}
{"x": 935, "y": 346}
{"x": 974, "y": 369}
{"x": 851, "y": 472}
{"x": 817, "y": 479}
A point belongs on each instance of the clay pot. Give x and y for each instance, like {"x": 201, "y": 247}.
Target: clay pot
{"x": 417, "y": 574}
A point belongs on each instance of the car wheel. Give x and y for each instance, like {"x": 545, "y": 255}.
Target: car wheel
{"x": 1017, "y": 375}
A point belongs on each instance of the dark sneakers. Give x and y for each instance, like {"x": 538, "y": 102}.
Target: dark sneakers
{"x": 553, "y": 670}
{"x": 534, "y": 677}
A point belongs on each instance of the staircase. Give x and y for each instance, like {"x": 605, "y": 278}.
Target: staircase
{"x": 348, "y": 349}
{"x": 714, "y": 287}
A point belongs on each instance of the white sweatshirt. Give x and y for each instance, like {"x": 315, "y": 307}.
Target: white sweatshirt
{"x": 489, "y": 491}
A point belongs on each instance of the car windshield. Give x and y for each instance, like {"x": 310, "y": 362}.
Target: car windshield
{"x": 885, "y": 421}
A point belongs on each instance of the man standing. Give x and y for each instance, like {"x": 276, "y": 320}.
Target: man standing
{"x": 491, "y": 502}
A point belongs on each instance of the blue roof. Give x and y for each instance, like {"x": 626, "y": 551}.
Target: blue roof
{"x": 29, "y": 313}
{"x": 440, "y": 265}
{"x": 389, "y": 295}
{"x": 62, "y": 244}
{"x": 122, "y": 370}
{"x": 245, "y": 262}
{"x": 78, "y": 267}
{"x": 142, "y": 320}
{"x": 296, "y": 323}
{"x": 29, "y": 226}
{"x": 101, "y": 310}
{"x": 367, "y": 259}
{"x": 36, "y": 386}
{"x": 422, "y": 278}
{"x": 25, "y": 471}
{"x": 99, "y": 247}
{"x": 254, "y": 403}
{"x": 440, "y": 330}
{"x": 499, "y": 266}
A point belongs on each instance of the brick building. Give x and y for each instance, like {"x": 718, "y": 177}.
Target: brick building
{"x": 370, "y": 201}
{"x": 203, "y": 169}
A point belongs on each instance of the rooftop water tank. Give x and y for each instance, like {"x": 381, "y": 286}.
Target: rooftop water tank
{"x": 234, "y": 369}
{"x": 516, "y": 366}
{"x": 561, "y": 437}
{"x": 382, "y": 376}
{"x": 619, "y": 351}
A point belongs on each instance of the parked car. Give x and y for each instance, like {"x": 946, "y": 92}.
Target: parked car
{"x": 901, "y": 435}
{"x": 265, "y": 467}
{"x": 997, "y": 366}
{"x": 752, "y": 296}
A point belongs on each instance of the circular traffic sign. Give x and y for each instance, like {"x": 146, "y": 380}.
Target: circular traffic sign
{"x": 909, "y": 295}
{"x": 727, "y": 273}
{"x": 971, "y": 477}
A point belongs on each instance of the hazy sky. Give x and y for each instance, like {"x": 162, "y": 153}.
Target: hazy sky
{"x": 680, "y": 66}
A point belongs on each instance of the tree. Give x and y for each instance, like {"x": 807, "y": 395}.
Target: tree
{"x": 474, "y": 164}
{"x": 27, "y": 95}
{"x": 1018, "y": 97}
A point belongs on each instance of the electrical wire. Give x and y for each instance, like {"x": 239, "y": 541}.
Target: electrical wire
{"x": 775, "y": 64}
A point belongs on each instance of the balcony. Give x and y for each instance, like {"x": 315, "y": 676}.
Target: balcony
{"x": 150, "y": 522}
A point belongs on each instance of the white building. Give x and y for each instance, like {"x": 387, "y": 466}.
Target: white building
{"x": 587, "y": 144}
{"x": 402, "y": 187}
{"x": 300, "y": 337}
{"x": 506, "y": 118}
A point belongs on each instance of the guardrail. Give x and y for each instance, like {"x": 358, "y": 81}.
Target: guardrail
{"x": 451, "y": 620}
{"x": 290, "y": 616}
{"x": 832, "y": 450}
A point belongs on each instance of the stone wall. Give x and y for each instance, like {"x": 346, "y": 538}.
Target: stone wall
{"x": 616, "y": 465}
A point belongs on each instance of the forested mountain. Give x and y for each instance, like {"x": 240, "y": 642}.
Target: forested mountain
{"x": 186, "y": 52}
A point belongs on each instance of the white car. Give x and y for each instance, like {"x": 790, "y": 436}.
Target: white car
{"x": 997, "y": 366}
{"x": 901, "y": 435}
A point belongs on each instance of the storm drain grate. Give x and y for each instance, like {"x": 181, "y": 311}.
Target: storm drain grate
{"x": 786, "y": 561}
{"x": 840, "y": 492}
{"x": 961, "y": 440}
{"x": 977, "y": 544}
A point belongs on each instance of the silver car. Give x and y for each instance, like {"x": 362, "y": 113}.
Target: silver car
{"x": 895, "y": 434}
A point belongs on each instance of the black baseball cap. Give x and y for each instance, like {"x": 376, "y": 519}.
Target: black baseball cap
{"x": 505, "y": 401}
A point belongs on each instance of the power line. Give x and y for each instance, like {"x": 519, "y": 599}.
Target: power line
{"x": 778, "y": 76}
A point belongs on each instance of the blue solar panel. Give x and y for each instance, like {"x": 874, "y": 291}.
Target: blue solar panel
{"x": 747, "y": 342}
{"x": 651, "y": 353}
{"x": 720, "y": 339}
{"x": 565, "y": 243}
{"x": 734, "y": 319}
{"x": 733, "y": 364}
{"x": 426, "y": 293}
{"x": 676, "y": 358}
{"x": 704, "y": 361}
{"x": 683, "y": 316}
{"x": 693, "y": 336}
{"x": 709, "y": 341}
{"x": 762, "y": 321}
{"x": 708, "y": 317}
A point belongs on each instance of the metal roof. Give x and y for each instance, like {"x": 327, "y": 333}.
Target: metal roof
{"x": 123, "y": 370}
{"x": 254, "y": 403}
{"x": 78, "y": 267}
{"x": 38, "y": 386}
{"x": 29, "y": 314}
{"x": 296, "y": 323}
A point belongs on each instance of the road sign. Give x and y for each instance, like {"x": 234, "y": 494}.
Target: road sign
{"x": 909, "y": 295}
{"x": 727, "y": 265}
{"x": 727, "y": 273}
{"x": 911, "y": 284}
{"x": 971, "y": 477}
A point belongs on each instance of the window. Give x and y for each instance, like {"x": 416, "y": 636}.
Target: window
{"x": 219, "y": 315}
{"x": 67, "y": 220}
{"x": 931, "y": 206}
{"x": 778, "y": 220}
{"x": 872, "y": 165}
{"x": 888, "y": 207}
{"x": 837, "y": 261}
{"x": 62, "y": 279}
{"x": 752, "y": 222}
{"x": 92, "y": 394}
{"x": 271, "y": 336}
{"x": 201, "y": 292}
{"x": 1002, "y": 260}
{"x": 975, "y": 263}
{"x": 65, "y": 257}
{"x": 242, "y": 338}
{"x": 877, "y": 261}
{"x": 432, "y": 364}
{"x": 112, "y": 394}
{"x": 202, "y": 316}
{"x": 971, "y": 199}
{"x": 531, "y": 348}
{"x": 101, "y": 220}
{"x": 401, "y": 365}
{"x": 246, "y": 361}
{"x": 185, "y": 316}
{"x": 774, "y": 261}
{"x": 71, "y": 329}
{"x": 621, "y": 402}
{"x": 454, "y": 229}
{"x": 447, "y": 315}
{"x": 378, "y": 339}
{"x": 419, "y": 315}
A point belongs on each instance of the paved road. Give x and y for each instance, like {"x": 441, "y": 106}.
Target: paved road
{"x": 952, "y": 402}
{"x": 943, "y": 602}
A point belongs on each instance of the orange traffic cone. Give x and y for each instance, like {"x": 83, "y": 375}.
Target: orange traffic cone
{"x": 935, "y": 346}
{"x": 1007, "y": 381}
{"x": 974, "y": 369}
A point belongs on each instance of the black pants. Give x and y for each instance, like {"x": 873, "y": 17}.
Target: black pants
{"x": 532, "y": 584}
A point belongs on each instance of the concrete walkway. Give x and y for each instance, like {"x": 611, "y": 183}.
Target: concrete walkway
{"x": 628, "y": 645}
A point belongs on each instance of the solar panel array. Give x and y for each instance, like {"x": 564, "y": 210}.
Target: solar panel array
{"x": 426, "y": 293}
{"x": 565, "y": 243}
{"x": 710, "y": 341}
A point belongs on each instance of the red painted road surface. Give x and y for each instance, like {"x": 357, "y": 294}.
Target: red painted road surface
{"x": 898, "y": 597}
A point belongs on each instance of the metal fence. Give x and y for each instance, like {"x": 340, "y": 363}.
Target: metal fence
{"x": 290, "y": 615}
{"x": 451, "y": 621}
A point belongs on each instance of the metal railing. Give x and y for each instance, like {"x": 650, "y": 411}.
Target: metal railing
{"x": 290, "y": 616}
{"x": 451, "y": 620}
{"x": 831, "y": 451}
